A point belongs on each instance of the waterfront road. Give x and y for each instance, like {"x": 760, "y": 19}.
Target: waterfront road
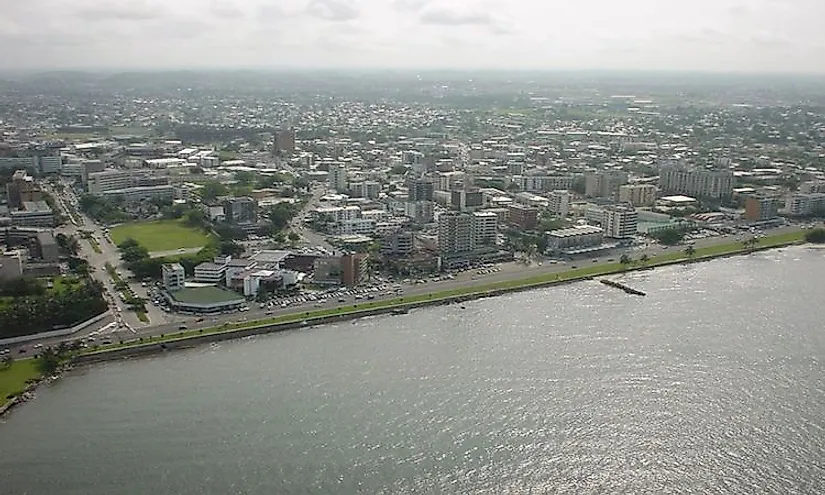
{"x": 502, "y": 272}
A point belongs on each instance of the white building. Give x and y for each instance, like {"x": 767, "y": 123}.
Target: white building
{"x": 337, "y": 176}
{"x": 620, "y": 222}
{"x": 213, "y": 272}
{"x": 455, "y": 233}
{"x": 573, "y": 238}
{"x": 674, "y": 179}
{"x": 173, "y": 276}
{"x": 485, "y": 228}
{"x": 559, "y": 202}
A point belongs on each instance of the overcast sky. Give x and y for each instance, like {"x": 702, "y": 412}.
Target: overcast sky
{"x": 714, "y": 35}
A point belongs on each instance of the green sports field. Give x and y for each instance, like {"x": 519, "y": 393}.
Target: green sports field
{"x": 164, "y": 235}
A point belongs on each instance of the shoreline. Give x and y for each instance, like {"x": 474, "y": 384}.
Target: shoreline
{"x": 187, "y": 340}
{"x": 191, "y": 339}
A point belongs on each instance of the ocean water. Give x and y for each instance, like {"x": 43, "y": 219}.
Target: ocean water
{"x": 712, "y": 383}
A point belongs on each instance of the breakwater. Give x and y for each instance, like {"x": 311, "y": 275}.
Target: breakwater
{"x": 626, "y": 288}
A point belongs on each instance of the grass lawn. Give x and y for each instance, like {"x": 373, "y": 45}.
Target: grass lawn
{"x": 164, "y": 235}
{"x": 13, "y": 380}
{"x": 676, "y": 256}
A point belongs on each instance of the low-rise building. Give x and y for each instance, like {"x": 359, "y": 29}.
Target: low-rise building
{"x": 799, "y": 205}
{"x": 33, "y": 214}
{"x": 574, "y": 238}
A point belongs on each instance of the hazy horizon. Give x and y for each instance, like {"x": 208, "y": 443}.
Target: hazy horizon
{"x": 704, "y": 36}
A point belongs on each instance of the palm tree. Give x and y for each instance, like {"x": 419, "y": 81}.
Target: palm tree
{"x": 690, "y": 251}
{"x": 625, "y": 260}
{"x": 644, "y": 259}
{"x": 750, "y": 244}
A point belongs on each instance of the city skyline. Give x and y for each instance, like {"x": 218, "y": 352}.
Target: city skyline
{"x": 764, "y": 36}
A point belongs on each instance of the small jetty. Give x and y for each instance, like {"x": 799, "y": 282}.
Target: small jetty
{"x": 618, "y": 285}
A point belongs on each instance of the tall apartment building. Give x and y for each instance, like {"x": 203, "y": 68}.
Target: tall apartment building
{"x": 712, "y": 184}
{"x": 759, "y": 208}
{"x": 620, "y": 222}
{"x": 421, "y": 189}
{"x": 283, "y": 141}
{"x": 559, "y": 202}
{"x": 604, "y": 184}
{"x": 798, "y": 205}
{"x": 455, "y": 233}
{"x": 117, "y": 180}
{"x": 485, "y": 228}
{"x": 522, "y": 216}
{"x": 240, "y": 210}
{"x": 543, "y": 183}
{"x": 638, "y": 194}
{"x": 337, "y": 176}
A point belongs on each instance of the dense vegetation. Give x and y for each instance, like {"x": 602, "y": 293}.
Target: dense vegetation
{"x": 27, "y": 306}
{"x": 816, "y": 236}
{"x": 102, "y": 210}
{"x": 669, "y": 237}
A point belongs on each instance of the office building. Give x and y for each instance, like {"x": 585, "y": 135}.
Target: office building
{"x": 33, "y": 214}
{"x": 620, "y": 222}
{"x": 213, "y": 272}
{"x": 759, "y": 208}
{"x": 559, "y": 202}
{"x": 575, "y": 238}
{"x": 638, "y": 194}
{"x": 709, "y": 184}
{"x": 284, "y": 141}
{"x": 421, "y": 189}
{"x": 604, "y": 184}
{"x": 467, "y": 200}
{"x": 240, "y": 210}
{"x": 800, "y": 205}
{"x": 337, "y": 177}
{"x": 398, "y": 243}
{"x": 421, "y": 212}
{"x": 543, "y": 183}
{"x": 522, "y": 216}
{"x": 139, "y": 194}
{"x": 173, "y": 276}
{"x": 485, "y": 229}
{"x": 22, "y": 188}
{"x": 455, "y": 233}
{"x": 11, "y": 264}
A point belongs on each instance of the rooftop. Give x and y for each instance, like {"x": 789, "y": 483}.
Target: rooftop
{"x": 205, "y": 295}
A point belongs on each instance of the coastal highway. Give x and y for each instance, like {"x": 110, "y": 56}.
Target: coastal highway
{"x": 505, "y": 272}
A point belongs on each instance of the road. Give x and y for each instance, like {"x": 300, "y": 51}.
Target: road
{"x": 469, "y": 278}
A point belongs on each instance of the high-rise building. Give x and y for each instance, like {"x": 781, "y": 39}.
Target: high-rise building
{"x": 604, "y": 184}
{"x": 173, "y": 276}
{"x": 522, "y": 216}
{"x": 284, "y": 141}
{"x": 455, "y": 233}
{"x": 485, "y": 229}
{"x": 638, "y": 194}
{"x": 240, "y": 210}
{"x": 421, "y": 189}
{"x": 559, "y": 203}
{"x": 22, "y": 189}
{"x": 467, "y": 200}
{"x": 712, "y": 184}
{"x": 759, "y": 208}
{"x": 620, "y": 222}
{"x": 337, "y": 176}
